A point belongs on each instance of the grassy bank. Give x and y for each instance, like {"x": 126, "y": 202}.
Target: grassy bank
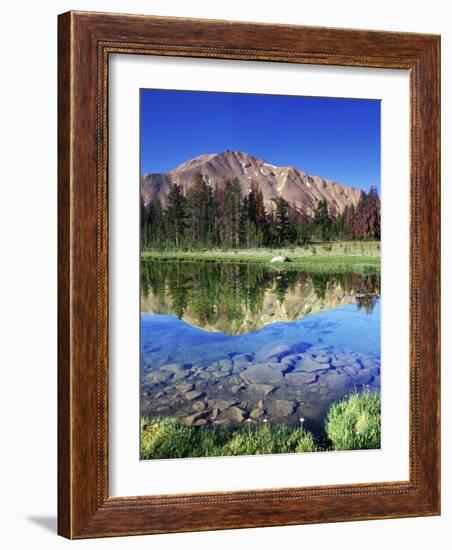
{"x": 353, "y": 423}
{"x": 361, "y": 256}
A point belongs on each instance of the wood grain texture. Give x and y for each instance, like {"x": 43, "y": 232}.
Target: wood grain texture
{"x": 85, "y": 42}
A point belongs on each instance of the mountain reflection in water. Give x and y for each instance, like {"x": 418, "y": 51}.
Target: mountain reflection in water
{"x": 239, "y": 298}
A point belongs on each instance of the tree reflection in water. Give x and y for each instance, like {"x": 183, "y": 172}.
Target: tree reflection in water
{"x": 234, "y": 297}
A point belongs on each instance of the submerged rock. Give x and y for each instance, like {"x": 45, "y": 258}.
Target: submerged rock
{"x": 260, "y": 389}
{"x": 199, "y": 406}
{"x": 195, "y": 394}
{"x": 281, "y": 408}
{"x": 184, "y": 388}
{"x": 323, "y": 358}
{"x": 261, "y": 374}
{"x": 175, "y": 367}
{"x": 243, "y": 359}
{"x": 309, "y": 364}
{"x": 156, "y": 377}
{"x": 301, "y": 378}
{"x": 363, "y": 377}
{"x": 223, "y": 404}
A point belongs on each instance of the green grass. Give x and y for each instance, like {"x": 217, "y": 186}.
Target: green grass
{"x": 361, "y": 256}
{"x": 166, "y": 438}
{"x": 354, "y": 423}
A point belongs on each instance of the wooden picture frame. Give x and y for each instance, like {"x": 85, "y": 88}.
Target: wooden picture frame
{"x": 86, "y": 40}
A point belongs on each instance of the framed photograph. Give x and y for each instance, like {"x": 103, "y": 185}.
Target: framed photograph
{"x": 248, "y": 275}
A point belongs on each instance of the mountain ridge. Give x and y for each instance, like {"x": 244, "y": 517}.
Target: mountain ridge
{"x": 301, "y": 190}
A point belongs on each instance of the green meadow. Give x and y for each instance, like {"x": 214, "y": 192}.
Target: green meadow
{"x": 357, "y": 256}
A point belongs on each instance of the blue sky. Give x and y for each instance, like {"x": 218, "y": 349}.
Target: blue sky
{"x": 335, "y": 138}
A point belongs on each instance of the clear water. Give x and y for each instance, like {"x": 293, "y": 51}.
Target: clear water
{"x": 210, "y": 333}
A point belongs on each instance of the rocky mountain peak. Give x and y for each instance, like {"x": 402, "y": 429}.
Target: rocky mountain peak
{"x": 301, "y": 190}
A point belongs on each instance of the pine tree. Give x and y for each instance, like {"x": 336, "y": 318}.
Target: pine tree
{"x": 302, "y": 233}
{"x": 359, "y": 225}
{"x": 252, "y": 209}
{"x": 373, "y": 214}
{"x": 232, "y": 219}
{"x": 156, "y": 224}
{"x": 366, "y": 216}
{"x": 212, "y": 216}
{"x": 144, "y": 224}
{"x": 282, "y": 223}
{"x": 199, "y": 214}
{"x": 350, "y": 221}
{"x": 262, "y": 219}
{"x": 322, "y": 220}
{"x": 175, "y": 215}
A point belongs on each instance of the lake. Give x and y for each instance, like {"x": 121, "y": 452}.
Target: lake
{"x": 227, "y": 343}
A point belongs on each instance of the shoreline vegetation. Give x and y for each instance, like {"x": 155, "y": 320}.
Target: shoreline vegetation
{"x": 361, "y": 256}
{"x": 351, "y": 424}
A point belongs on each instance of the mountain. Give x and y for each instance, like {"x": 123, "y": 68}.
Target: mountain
{"x": 301, "y": 190}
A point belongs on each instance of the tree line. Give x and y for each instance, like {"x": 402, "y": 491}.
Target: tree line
{"x": 221, "y": 216}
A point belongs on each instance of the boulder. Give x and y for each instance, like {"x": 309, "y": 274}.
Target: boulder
{"x": 256, "y": 413}
{"x": 279, "y": 259}
{"x": 234, "y": 414}
{"x": 187, "y": 420}
{"x": 192, "y": 418}
{"x": 200, "y": 422}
